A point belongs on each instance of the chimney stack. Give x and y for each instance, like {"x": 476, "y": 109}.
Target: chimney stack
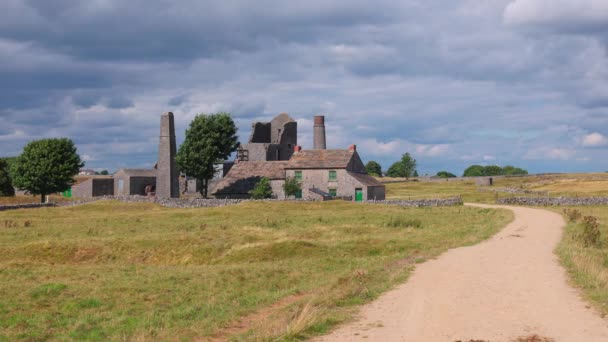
{"x": 297, "y": 148}
{"x": 319, "y": 133}
{"x": 352, "y": 148}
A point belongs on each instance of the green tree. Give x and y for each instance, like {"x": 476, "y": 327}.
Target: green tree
{"x": 210, "y": 138}
{"x": 415, "y": 173}
{"x": 409, "y": 165}
{"x": 396, "y": 170}
{"x": 474, "y": 171}
{"x": 262, "y": 189}
{"x": 373, "y": 168}
{"x": 492, "y": 170}
{"x": 291, "y": 186}
{"x": 513, "y": 171}
{"x": 6, "y": 184}
{"x": 445, "y": 174}
{"x": 46, "y": 166}
{"x": 104, "y": 172}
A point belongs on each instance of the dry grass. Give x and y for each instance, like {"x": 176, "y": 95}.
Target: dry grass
{"x": 588, "y": 265}
{"x": 115, "y": 271}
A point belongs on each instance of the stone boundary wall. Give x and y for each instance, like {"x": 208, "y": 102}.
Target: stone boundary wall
{"x": 26, "y": 206}
{"x": 438, "y": 202}
{"x": 510, "y": 190}
{"x": 554, "y": 201}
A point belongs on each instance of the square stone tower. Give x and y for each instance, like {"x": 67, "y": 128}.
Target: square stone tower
{"x": 167, "y": 178}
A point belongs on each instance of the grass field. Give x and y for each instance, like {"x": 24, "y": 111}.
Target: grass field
{"x": 593, "y": 184}
{"x": 587, "y": 266}
{"x": 256, "y": 271}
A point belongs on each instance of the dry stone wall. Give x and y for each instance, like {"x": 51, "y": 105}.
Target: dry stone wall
{"x": 554, "y": 201}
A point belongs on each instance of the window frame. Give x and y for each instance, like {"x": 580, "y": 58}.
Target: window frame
{"x": 335, "y": 176}
{"x": 298, "y": 175}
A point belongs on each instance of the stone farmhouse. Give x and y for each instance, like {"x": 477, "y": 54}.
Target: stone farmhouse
{"x": 271, "y": 152}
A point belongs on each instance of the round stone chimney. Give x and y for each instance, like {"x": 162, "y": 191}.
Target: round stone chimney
{"x": 319, "y": 133}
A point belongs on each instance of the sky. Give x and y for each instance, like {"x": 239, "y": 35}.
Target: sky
{"x": 453, "y": 82}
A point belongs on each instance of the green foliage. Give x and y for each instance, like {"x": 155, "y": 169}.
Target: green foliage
{"x": 493, "y": 170}
{"x": 104, "y": 173}
{"x": 262, "y": 189}
{"x": 46, "y": 166}
{"x": 6, "y": 183}
{"x": 373, "y": 168}
{"x": 291, "y": 186}
{"x": 445, "y": 174}
{"x": 590, "y": 235}
{"x": 474, "y": 171}
{"x": 210, "y": 138}
{"x": 406, "y": 167}
{"x": 403, "y": 222}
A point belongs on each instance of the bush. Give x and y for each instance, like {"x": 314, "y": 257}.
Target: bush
{"x": 573, "y": 214}
{"x": 6, "y": 183}
{"x": 590, "y": 235}
{"x": 262, "y": 189}
{"x": 445, "y": 174}
{"x": 291, "y": 186}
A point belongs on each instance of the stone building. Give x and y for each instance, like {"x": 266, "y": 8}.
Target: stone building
{"x": 273, "y": 140}
{"x": 93, "y": 187}
{"x": 134, "y": 182}
{"x": 243, "y": 177}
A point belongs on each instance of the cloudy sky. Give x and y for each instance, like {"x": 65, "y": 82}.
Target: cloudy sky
{"x": 454, "y": 82}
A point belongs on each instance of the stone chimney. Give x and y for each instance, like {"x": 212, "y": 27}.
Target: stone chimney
{"x": 319, "y": 133}
{"x": 297, "y": 148}
{"x": 167, "y": 177}
{"x": 352, "y": 148}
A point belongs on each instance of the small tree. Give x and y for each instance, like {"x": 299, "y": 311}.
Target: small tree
{"x": 409, "y": 165}
{"x": 396, "y": 170}
{"x": 262, "y": 189}
{"x": 493, "y": 170}
{"x": 474, "y": 171}
{"x": 104, "y": 173}
{"x": 6, "y": 184}
{"x": 46, "y": 166}
{"x": 291, "y": 186}
{"x": 373, "y": 168}
{"x": 210, "y": 138}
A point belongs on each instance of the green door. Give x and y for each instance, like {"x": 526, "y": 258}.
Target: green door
{"x": 359, "y": 195}
{"x": 299, "y": 194}
{"x": 68, "y": 193}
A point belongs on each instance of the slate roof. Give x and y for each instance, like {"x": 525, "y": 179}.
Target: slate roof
{"x": 244, "y": 176}
{"x": 365, "y": 179}
{"x": 320, "y": 159}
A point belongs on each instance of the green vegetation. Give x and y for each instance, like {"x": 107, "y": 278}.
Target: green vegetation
{"x": 291, "y": 186}
{"x": 104, "y": 172}
{"x": 584, "y": 252}
{"x": 445, "y": 174}
{"x": 46, "y": 166}
{"x": 116, "y": 271}
{"x": 208, "y": 139}
{"x": 373, "y": 168}
{"x": 493, "y": 170}
{"x": 406, "y": 167}
{"x": 6, "y": 183}
{"x": 262, "y": 189}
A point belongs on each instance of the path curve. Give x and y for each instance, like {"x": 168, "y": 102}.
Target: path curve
{"x": 506, "y": 287}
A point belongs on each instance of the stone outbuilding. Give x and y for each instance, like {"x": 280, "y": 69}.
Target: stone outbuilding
{"x": 243, "y": 177}
{"x": 129, "y": 182}
{"x": 93, "y": 187}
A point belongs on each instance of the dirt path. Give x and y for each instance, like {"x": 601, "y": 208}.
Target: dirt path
{"x": 507, "y": 287}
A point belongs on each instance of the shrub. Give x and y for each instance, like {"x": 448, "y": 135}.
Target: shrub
{"x": 262, "y": 189}
{"x": 573, "y": 214}
{"x": 6, "y": 184}
{"x": 291, "y": 186}
{"x": 590, "y": 235}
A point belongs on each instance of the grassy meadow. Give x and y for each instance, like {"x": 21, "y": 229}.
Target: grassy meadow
{"x": 581, "y": 185}
{"x": 587, "y": 265}
{"x": 256, "y": 271}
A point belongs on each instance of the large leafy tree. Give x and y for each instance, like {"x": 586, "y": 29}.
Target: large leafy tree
{"x": 210, "y": 137}
{"x": 46, "y": 166}
{"x": 474, "y": 171}
{"x": 493, "y": 170}
{"x": 6, "y": 184}
{"x": 396, "y": 170}
{"x": 373, "y": 168}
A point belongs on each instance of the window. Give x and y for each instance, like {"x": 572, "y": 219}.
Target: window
{"x": 333, "y": 192}
{"x": 298, "y": 175}
{"x": 333, "y": 176}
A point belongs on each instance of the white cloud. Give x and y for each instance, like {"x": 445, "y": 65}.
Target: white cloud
{"x": 555, "y": 11}
{"x": 489, "y": 157}
{"x": 594, "y": 140}
{"x": 550, "y": 153}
